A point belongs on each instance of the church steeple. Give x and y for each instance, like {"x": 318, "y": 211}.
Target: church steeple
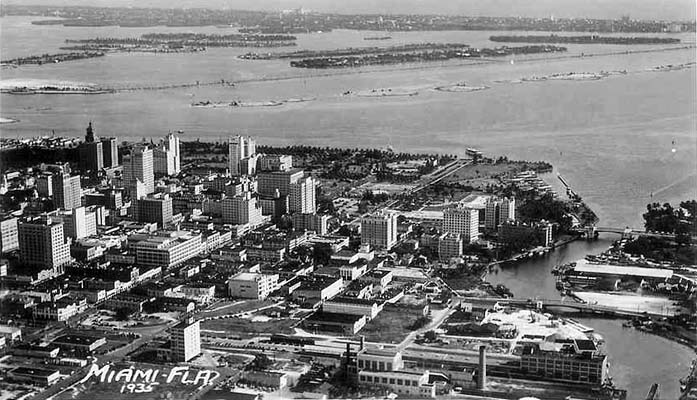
{"x": 89, "y": 136}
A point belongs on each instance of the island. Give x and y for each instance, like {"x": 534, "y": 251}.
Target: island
{"x": 593, "y": 39}
{"x": 420, "y": 56}
{"x": 355, "y": 51}
{"x": 52, "y": 58}
{"x": 179, "y": 42}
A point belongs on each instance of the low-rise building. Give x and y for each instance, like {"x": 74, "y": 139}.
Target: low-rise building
{"x": 400, "y": 382}
{"x": 32, "y": 350}
{"x": 252, "y": 285}
{"x": 354, "y": 306}
{"x": 318, "y": 287}
{"x": 276, "y": 380}
{"x": 199, "y": 292}
{"x": 378, "y": 277}
{"x": 342, "y": 324}
{"x": 82, "y": 344}
{"x": 582, "y": 365}
{"x": 55, "y": 311}
{"x": 166, "y": 249}
{"x": 131, "y": 302}
{"x": 353, "y": 271}
{"x": 11, "y": 333}
{"x": 40, "y": 376}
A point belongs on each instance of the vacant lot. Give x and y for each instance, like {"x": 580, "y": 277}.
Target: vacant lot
{"x": 392, "y": 324}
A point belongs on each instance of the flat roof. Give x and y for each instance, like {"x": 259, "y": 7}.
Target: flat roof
{"x": 41, "y": 372}
{"x": 606, "y": 269}
{"x": 77, "y": 339}
{"x": 321, "y": 316}
{"x": 352, "y": 300}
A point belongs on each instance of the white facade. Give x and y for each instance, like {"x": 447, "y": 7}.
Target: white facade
{"x": 67, "y": 192}
{"x": 302, "y": 196}
{"x": 240, "y": 148}
{"x": 450, "y": 246}
{"x": 167, "y": 157}
{"x": 463, "y": 221}
{"x": 499, "y": 211}
{"x": 9, "y": 235}
{"x": 138, "y": 172}
{"x": 166, "y": 251}
{"x": 380, "y": 230}
{"x": 240, "y": 210}
{"x": 252, "y": 286}
{"x": 186, "y": 341}
{"x": 275, "y": 162}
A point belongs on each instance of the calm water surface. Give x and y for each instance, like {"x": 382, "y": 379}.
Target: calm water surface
{"x": 612, "y": 139}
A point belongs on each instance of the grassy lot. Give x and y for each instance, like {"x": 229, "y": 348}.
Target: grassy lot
{"x": 247, "y": 328}
{"x": 392, "y": 324}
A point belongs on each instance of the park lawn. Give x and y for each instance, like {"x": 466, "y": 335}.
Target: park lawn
{"x": 392, "y": 324}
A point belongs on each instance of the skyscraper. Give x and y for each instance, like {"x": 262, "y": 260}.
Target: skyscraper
{"x": 67, "y": 191}
{"x": 379, "y": 230}
{"x": 43, "y": 244}
{"x": 110, "y": 152}
{"x": 9, "y": 235}
{"x": 155, "y": 208}
{"x": 302, "y": 196}
{"x": 90, "y": 152}
{"x": 77, "y": 223}
{"x": 270, "y": 182}
{"x": 463, "y": 221}
{"x": 186, "y": 340}
{"x": 167, "y": 158}
{"x": 138, "y": 174}
{"x": 44, "y": 185}
{"x": 243, "y": 209}
{"x": 499, "y": 211}
{"x": 242, "y": 155}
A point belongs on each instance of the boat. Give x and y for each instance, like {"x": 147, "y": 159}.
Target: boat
{"x": 377, "y": 38}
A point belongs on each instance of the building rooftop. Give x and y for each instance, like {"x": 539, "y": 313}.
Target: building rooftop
{"x": 318, "y": 282}
{"x": 352, "y": 300}
{"x": 322, "y": 316}
{"x": 41, "y": 372}
{"x": 605, "y": 269}
{"x": 377, "y": 273}
{"x": 184, "y": 325}
{"x": 77, "y": 339}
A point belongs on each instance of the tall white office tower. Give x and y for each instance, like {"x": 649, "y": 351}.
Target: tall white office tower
{"x": 138, "y": 172}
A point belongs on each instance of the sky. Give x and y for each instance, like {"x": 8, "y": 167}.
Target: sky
{"x": 637, "y": 9}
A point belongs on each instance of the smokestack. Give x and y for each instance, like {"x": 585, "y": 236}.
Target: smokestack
{"x": 481, "y": 374}
{"x": 362, "y": 342}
